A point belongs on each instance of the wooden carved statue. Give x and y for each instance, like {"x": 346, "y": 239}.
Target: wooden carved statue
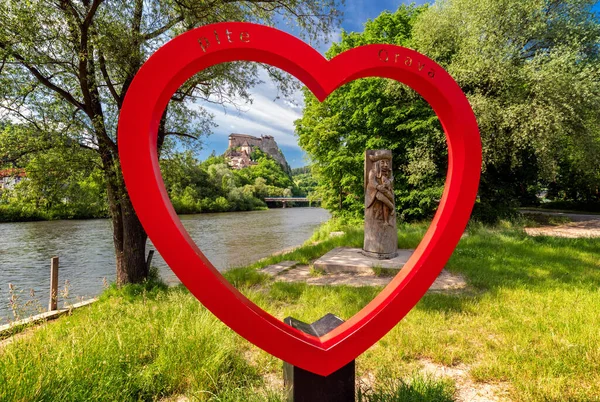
{"x": 381, "y": 237}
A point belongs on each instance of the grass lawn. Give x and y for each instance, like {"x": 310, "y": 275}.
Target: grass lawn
{"x": 528, "y": 322}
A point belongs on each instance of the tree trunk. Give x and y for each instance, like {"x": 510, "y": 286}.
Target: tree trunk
{"x": 131, "y": 252}
{"x": 129, "y": 236}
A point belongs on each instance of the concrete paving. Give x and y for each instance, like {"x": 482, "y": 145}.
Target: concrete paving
{"x": 302, "y": 273}
{"x": 278, "y": 268}
{"x": 446, "y": 281}
{"x": 347, "y": 266}
{"x": 345, "y": 259}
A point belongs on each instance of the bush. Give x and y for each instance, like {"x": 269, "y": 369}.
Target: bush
{"x": 416, "y": 205}
{"x": 491, "y": 214}
{"x": 221, "y": 205}
{"x": 16, "y": 213}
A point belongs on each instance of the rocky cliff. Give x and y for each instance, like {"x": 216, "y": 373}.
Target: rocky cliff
{"x": 242, "y": 145}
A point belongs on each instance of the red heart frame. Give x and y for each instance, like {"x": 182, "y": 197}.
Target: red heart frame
{"x": 193, "y": 51}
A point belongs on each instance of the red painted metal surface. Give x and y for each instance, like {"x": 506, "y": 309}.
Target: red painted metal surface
{"x": 201, "y": 48}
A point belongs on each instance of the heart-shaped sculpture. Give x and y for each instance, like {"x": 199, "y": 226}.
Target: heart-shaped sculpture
{"x": 193, "y": 51}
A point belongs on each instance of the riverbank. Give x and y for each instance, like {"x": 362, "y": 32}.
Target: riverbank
{"x": 87, "y": 260}
{"x": 9, "y": 214}
{"x": 524, "y": 329}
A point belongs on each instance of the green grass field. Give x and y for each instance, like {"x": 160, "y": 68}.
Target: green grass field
{"x": 528, "y": 323}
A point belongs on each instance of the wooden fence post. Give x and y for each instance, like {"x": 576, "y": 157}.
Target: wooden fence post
{"x": 149, "y": 260}
{"x": 53, "y": 305}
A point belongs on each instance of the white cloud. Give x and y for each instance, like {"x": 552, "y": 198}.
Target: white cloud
{"x": 267, "y": 114}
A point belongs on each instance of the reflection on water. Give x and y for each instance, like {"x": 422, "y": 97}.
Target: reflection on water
{"x": 87, "y": 254}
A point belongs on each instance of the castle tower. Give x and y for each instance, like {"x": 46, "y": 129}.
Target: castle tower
{"x": 246, "y": 148}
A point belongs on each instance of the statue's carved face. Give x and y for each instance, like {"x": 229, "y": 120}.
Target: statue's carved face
{"x": 384, "y": 164}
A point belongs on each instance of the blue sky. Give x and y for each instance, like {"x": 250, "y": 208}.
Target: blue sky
{"x": 267, "y": 115}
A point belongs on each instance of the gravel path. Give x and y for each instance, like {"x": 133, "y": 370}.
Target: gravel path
{"x": 582, "y": 225}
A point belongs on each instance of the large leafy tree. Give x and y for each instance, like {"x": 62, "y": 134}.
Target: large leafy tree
{"x": 65, "y": 66}
{"x": 531, "y": 71}
{"x": 63, "y": 179}
{"x": 374, "y": 113}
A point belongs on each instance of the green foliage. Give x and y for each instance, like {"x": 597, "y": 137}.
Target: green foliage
{"x": 374, "y": 113}
{"x": 212, "y": 186}
{"x": 529, "y": 69}
{"x": 62, "y": 182}
{"x": 21, "y": 213}
{"x": 268, "y": 169}
{"x": 66, "y": 66}
{"x": 300, "y": 170}
{"x": 305, "y": 184}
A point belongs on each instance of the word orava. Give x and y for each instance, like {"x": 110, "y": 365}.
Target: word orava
{"x": 408, "y": 61}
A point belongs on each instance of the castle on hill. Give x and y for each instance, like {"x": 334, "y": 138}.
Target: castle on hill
{"x": 241, "y": 147}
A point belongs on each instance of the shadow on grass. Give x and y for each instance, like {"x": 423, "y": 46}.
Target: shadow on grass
{"x": 416, "y": 389}
{"x": 287, "y": 292}
{"x": 447, "y": 303}
{"x": 310, "y": 303}
{"x": 510, "y": 258}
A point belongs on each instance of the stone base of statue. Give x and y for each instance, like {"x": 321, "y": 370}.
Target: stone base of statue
{"x": 356, "y": 261}
{"x": 380, "y": 256}
{"x": 381, "y": 232}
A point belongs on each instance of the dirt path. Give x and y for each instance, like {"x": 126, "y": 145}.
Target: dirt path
{"x": 467, "y": 390}
{"x": 582, "y": 225}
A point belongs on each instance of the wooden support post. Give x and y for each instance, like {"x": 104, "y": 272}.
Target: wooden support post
{"x": 149, "y": 260}
{"x": 53, "y": 305}
{"x": 304, "y": 386}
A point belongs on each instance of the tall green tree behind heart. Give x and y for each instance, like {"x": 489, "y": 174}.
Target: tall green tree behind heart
{"x": 530, "y": 71}
{"x": 66, "y": 65}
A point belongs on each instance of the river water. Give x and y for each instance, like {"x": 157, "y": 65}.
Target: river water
{"x": 87, "y": 257}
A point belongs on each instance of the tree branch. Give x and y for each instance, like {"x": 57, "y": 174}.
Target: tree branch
{"x": 13, "y": 159}
{"x": 180, "y": 96}
{"x": 43, "y": 79}
{"x": 90, "y": 15}
{"x": 134, "y": 65}
{"x": 87, "y": 147}
{"x": 22, "y": 116}
{"x": 181, "y": 134}
{"x": 163, "y": 29}
{"x": 67, "y": 5}
{"x": 109, "y": 83}
{"x": 137, "y": 17}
